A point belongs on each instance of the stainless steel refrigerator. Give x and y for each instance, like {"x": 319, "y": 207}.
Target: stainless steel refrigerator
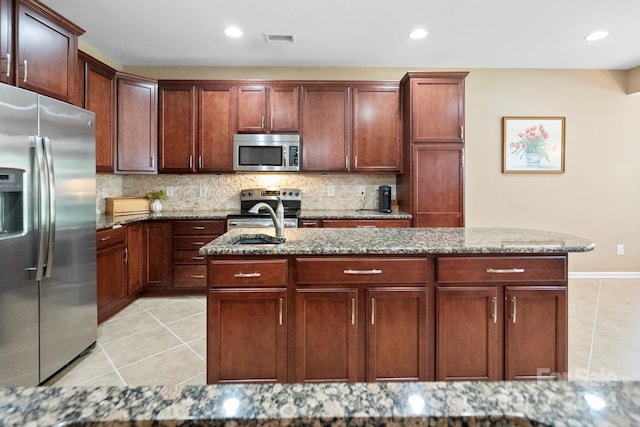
{"x": 48, "y": 313}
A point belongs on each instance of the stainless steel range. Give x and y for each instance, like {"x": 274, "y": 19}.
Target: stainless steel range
{"x": 291, "y": 201}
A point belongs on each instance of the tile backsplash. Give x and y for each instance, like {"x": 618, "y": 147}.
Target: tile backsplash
{"x": 221, "y": 192}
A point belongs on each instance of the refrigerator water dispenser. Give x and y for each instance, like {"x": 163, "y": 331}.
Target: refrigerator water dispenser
{"x": 12, "y": 215}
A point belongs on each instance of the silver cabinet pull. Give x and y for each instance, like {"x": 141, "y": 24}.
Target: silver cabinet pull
{"x": 309, "y": 223}
{"x": 494, "y": 315}
{"x": 346, "y": 162}
{"x": 246, "y": 275}
{"x": 197, "y": 258}
{"x": 200, "y": 162}
{"x": 126, "y": 255}
{"x": 190, "y": 162}
{"x": 505, "y": 270}
{"x": 8, "y": 64}
{"x": 280, "y": 303}
{"x": 197, "y": 276}
{"x": 104, "y": 239}
{"x": 153, "y": 162}
{"x": 197, "y": 243}
{"x": 366, "y": 226}
{"x": 262, "y": 122}
{"x": 373, "y": 311}
{"x": 353, "y": 311}
{"x": 372, "y": 271}
{"x": 25, "y": 70}
{"x": 513, "y": 309}
{"x": 462, "y": 132}
{"x": 197, "y": 227}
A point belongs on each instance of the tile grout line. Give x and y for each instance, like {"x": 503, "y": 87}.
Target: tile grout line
{"x": 593, "y": 331}
{"x": 111, "y": 363}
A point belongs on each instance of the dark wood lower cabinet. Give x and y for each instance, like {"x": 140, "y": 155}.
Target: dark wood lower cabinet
{"x": 326, "y": 344}
{"x": 397, "y": 334}
{"x": 536, "y": 332}
{"x": 467, "y": 334}
{"x": 156, "y": 264}
{"x": 247, "y": 335}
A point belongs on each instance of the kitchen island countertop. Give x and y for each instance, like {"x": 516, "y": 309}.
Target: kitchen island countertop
{"x": 418, "y": 404}
{"x": 400, "y": 241}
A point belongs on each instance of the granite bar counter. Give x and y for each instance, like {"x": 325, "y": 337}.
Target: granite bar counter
{"x": 332, "y": 404}
{"x": 401, "y": 241}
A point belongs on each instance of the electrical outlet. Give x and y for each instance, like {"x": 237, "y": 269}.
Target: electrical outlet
{"x": 620, "y": 249}
{"x": 331, "y": 191}
{"x": 203, "y": 192}
{"x": 169, "y": 191}
{"x": 362, "y": 191}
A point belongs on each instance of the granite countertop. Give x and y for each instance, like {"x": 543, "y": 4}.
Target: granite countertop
{"x": 400, "y": 241}
{"x": 358, "y": 214}
{"x": 331, "y": 404}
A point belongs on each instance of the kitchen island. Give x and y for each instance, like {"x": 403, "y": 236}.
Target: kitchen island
{"x": 388, "y": 304}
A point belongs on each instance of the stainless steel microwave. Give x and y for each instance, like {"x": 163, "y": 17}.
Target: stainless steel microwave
{"x": 266, "y": 153}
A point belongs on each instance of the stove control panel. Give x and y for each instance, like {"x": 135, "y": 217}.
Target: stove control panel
{"x": 270, "y": 194}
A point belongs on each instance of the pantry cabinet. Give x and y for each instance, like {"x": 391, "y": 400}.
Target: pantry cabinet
{"x": 137, "y": 142}
{"x": 431, "y": 187}
{"x": 268, "y": 108}
{"x": 46, "y": 50}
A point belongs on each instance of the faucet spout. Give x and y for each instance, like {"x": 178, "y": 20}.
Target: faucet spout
{"x": 277, "y": 216}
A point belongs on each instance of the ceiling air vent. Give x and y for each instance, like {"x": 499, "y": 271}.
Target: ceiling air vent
{"x": 279, "y": 38}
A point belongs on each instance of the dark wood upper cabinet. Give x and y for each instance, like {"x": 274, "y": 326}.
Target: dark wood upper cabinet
{"x": 98, "y": 94}
{"x": 326, "y": 127}
{"x": 6, "y": 42}
{"x": 177, "y": 131}
{"x": 216, "y": 119}
{"x": 137, "y": 141}
{"x": 46, "y": 51}
{"x": 376, "y": 128}
{"x": 267, "y": 109}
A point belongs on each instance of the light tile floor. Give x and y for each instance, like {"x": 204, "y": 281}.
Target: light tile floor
{"x": 162, "y": 340}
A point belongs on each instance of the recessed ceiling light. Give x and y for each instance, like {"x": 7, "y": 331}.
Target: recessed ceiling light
{"x": 596, "y": 35}
{"x": 234, "y": 32}
{"x": 417, "y": 34}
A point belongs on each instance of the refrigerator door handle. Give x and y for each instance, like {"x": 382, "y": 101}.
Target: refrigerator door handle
{"x": 51, "y": 195}
{"x": 43, "y": 232}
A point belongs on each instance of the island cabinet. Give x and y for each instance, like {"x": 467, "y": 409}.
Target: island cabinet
{"x": 196, "y": 126}
{"x": 247, "y": 320}
{"x": 501, "y": 317}
{"x": 360, "y": 319}
{"x": 189, "y": 267}
{"x": 268, "y": 108}
{"x": 431, "y": 187}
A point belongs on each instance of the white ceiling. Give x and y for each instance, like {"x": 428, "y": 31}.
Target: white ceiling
{"x": 362, "y": 33}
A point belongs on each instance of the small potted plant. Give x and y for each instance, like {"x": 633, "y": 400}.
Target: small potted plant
{"x": 155, "y": 197}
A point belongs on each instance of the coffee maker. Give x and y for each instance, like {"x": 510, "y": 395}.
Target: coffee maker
{"x": 384, "y": 198}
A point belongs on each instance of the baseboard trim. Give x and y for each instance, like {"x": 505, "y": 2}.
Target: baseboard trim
{"x": 604, "y": 275}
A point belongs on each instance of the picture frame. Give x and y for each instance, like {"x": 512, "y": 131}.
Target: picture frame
{"x": 533, "y": 144}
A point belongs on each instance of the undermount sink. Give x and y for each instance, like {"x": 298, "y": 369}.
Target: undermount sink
{"x": 257, "y": 239}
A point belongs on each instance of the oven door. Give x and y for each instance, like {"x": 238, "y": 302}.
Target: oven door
{"x": 258, "y": 223}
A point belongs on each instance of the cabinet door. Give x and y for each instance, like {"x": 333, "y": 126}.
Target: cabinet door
{"x": 536, "y": 332}
{"x": 247, "y": 335}
{"x": 326, "y": 122}
{"x": 47, "y": 52}
{"x": 216, "y": 115}
{"x": 283, "y": 108}
{"x": 100, "y": 97}
{"x": 467, "y": 334}
{"x": 156, "y": 250}
{"x": 376, "y": 129}
{"x": 396, "y": 334}
{"x": 177, "y": 130}
{"x": 110, "y": 286}
{"x": 437, "y": 109}
{"x": 137, "y": 126}
{"x": 326, "y": 335}
{"x": 135, "y": 258}
{"x": 6, "y": 39}
{"x": 438, "y": 191}
{"x": 252, "y": 108}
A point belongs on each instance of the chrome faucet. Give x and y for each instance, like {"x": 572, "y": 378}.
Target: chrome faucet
{"x": 277, "y": 216}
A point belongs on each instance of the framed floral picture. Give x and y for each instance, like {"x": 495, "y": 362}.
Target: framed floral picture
{"x": 533, "y": 144}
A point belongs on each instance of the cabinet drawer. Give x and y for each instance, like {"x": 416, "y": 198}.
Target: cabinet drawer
{"x": 191, "y": 276}
{"x": 500, "y": 269}
{"x": 191, "y": 242}
{"x": 198, "y": 227}
{"x": 110, "y": 237}
{"x": 188, "y": 257}
{"x": 250, "y": 272}
{"x": 365, "y": 223}
{"x": 361, "y": 270}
